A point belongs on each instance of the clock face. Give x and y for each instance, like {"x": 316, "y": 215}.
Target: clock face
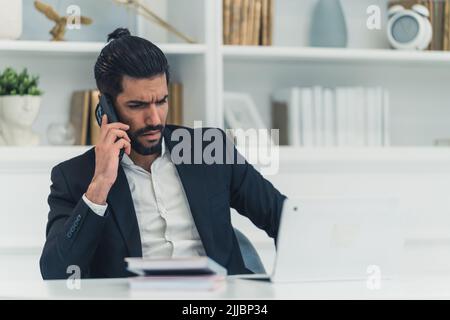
{"x": 405, "y": 29}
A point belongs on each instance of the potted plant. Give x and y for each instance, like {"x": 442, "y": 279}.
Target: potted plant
{"x": 20, "y": 100}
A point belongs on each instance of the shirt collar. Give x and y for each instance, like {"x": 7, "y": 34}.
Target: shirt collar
{"x": 126, "y": 160}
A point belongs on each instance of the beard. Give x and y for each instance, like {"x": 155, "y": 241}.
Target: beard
{"x": 141, "y": 148}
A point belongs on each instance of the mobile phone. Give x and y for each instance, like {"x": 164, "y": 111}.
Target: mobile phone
{"x": 105, "y": 106}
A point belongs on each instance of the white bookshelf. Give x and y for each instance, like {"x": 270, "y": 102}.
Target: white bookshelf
{"x": 88, "y": 48}
{"x": 417, "y": 80}
{"x": 335, "y": 55}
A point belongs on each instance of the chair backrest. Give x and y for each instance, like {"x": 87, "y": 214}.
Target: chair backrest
{"x": 251, "y": 258}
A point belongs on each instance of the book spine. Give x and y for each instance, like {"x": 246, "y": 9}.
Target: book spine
{"x": 257, "y": 21}
{"x": 264, "y": 22}
{"x": 175, "y": 112}
{"x": 386, "y": 119}
{"x": 226, "y": 21}
{"x": 294, "y": 117}
{"x": 280, "y": 121}
{"x": 169, "y": 118}
{"x": 79, "y": 116}
{"x": 329, "y": 118}
{"x": 250, "y": 22}
{"x": 439, "y": 13}
{"x": 432, "y": 20}
{"x": 371, "y": 117}
{"x": 307, "y": 123}
{"x": 351, "y": 117}
{"x": 244, "y": 23}
{"x": 270, "y": 23}
{"x": 360, "y": 117}
{"x": 379, "y": 117}
{"x": 318, "y": 117}
{"x": 340, "y": 120}
{"x": 446, "y": 45}
{"x": 235, "y": 30}
{"x": 178, "y": 112}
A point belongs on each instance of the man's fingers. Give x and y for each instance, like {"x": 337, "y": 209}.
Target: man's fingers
{"x": 110, "y": 126}
{"x": 114, "y": 134}
{"x": 118, "y": 125}
{"x": 121, "y": 144}
{"x": 103, "y": 128}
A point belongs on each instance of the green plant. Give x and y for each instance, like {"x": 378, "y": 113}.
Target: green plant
{"x": 13, "y": 83}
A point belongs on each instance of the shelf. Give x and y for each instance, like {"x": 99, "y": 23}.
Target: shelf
{"x": 87, "y": 48}
{"x": 36, "y": 158}
{"x": 309, "y": 54}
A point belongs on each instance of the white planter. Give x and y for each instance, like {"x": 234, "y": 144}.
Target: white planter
{"x": 10, "y": 19}
{"x": 17, "y": 115}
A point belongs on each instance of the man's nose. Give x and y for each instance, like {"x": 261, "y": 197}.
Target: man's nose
{"x": 152, "y": 116}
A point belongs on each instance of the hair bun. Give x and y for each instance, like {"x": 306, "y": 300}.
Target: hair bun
{"x": 118, "y": 33}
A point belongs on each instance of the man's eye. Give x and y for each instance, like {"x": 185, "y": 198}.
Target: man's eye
{"x": 160, "y": 103}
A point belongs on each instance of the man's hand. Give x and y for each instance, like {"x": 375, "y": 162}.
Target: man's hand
{"x": 113, "y": 138}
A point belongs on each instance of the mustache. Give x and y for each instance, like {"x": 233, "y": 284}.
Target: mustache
{"x": 147, "y": 129}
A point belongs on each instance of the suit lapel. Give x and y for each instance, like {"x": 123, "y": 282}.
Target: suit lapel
{"x": 121, "y": 203}
{"x": 191, "y": 177}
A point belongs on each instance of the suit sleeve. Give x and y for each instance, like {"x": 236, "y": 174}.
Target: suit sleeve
{"x": 253, "y": 196}
{"x": 72, "y": 234}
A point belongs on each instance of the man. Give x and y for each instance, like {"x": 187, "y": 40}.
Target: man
{"x": 103, "y": 209}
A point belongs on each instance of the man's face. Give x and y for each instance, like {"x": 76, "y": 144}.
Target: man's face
{"x": 143, "y": 105}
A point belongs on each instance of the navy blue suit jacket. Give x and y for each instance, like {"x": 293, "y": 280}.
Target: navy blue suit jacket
{"x": 98, "y": 245}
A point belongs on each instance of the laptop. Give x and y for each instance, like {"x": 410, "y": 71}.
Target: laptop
{"x": 324, "y": 239}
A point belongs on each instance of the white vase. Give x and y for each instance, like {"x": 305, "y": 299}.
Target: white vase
{"x": 17, "y": 115}
{"x": 328, "y": 25}
{"x": 10, "y": 19}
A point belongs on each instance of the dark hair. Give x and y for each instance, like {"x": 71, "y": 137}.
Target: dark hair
{"x": 127, "y": 55}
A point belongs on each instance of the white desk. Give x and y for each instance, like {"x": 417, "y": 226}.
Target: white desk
{"x": 20, "y": 279}
{"x": 431, "y": 287}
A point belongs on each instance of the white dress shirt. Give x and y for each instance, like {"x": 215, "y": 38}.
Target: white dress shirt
{"x": 166, "y": 226}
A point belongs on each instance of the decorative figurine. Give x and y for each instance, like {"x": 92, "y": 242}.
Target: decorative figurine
{"x": 59, "y": 29}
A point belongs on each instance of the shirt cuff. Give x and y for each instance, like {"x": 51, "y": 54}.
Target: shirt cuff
{"x": 98, "y": 209}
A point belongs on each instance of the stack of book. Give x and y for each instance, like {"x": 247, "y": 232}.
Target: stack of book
{"x": 84, "y": 103}
{"x": 248, "y": 22}
{"x": 82, "y": 116}
{"x": 194, "y": 273}
{"x": 439, "y": 17}
{"x": 323, "y": 117}
{"x": 175, "y": 112}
